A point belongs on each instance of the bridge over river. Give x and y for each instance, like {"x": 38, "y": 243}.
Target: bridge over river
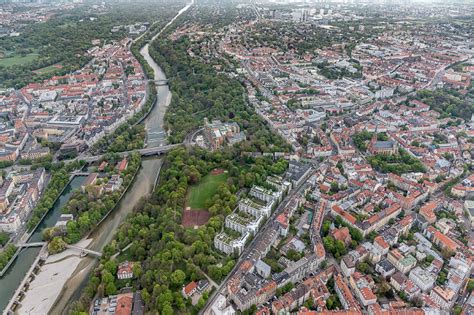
{"x": 85, "y": 250}
{"x": 162, "y": 82}
{"x": 143, "y": 152}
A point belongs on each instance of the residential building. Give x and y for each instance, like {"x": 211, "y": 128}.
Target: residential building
{"x": 189, "y": 289}
{"x": 445, "y": 298}
{"x": 262, "y": 269}
{"x": 125, "y": 270}
{"x": 424, "y": 279}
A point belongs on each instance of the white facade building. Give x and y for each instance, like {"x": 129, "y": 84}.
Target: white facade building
{"x": 229, "y": 245}
{"x": 425, "y": 280}
{"x": 251, "y": 207}
{"x": 10, "y": 224}
{"x": 242, "y": 224}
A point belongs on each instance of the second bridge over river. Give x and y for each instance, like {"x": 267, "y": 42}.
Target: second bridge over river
{"x": 160, "y": 82}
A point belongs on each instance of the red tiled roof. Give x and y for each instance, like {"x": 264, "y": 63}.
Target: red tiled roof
{"x": 124, "y": 304}
{"x": 446, "y": 241}
{"x": 381, "y": 242}
{"x": 428, "y": 211}
{"x": 190, "y": 287}
{"x": 349, "y": 217}
{"x": 340, "y": 234}
{"x": 123, "y": 164}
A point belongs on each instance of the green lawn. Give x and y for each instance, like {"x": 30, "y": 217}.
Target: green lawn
{"x": 200, "y": 193}
{"x": 17, "y": 60}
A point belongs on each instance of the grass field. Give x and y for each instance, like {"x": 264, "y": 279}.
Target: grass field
{"x": 199, "y": 194}
{"x": 17, "y": 60}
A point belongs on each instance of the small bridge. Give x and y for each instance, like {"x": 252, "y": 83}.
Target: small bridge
{"x": 33, "y": 244}
{"x": 80, "y": 173}
{"x": 160, "y": 82}
{"x": 85, "y": 250}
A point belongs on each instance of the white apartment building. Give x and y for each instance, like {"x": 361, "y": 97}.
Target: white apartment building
{"x": 10, "y": 224}
{"x": 256, "y": 209}
{"x": 424, "y": 279}
{"x": 230, "y": 245}
{"x": 243, "y": 224}
{"x": 279, "y": 183}
{"x": 262, "y": 193}
{"x": 221, "y": 307}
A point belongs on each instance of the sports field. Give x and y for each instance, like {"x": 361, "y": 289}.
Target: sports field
{"x": 200, "y": 193}
{"x": 17, "y": 60}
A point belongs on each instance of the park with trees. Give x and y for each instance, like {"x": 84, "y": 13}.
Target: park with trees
{"x": 6, "y": 254}
{"x": 448, "y": 102}
{"x": 200, "y": 91}
{"x": 164, "y": 247}
{"x": 89, "y": 207}
{"x": 398, "y": 164}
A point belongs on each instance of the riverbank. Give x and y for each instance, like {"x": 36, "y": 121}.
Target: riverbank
{"x": 104, "y": 233}
{"x": 27, "y": 235}
{"x": 38, "y": 301}
{"x": 156, "y": 134}
{"x": 48, "y": 283}
{"x": 19, "y": 267}
{"x": 143, "y": 186}
{"x": 118, "y": 202}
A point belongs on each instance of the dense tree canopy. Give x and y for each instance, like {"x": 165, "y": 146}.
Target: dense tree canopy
{"x": 172, "y": 255}
{"x": 399, "y": 163}
{"x": 199, "y": 91}
{"x": 59, "y": 179}
{"x": 6, "y": 254}
{"x": 448, "y": 102}
{"x": 65, "y": 38}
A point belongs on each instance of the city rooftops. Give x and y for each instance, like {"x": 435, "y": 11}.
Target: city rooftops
{"x": 66, "y": 120}
{"x": 408, "y": 260}
{"x": 424, "y": 275}
{"x": 263, "y": 266}
{"x": 386, "y": 265}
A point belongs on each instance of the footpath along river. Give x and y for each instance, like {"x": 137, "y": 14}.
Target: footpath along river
{"x": 103, "y": 234}
{"x": 12, "y": 278}
{"x": 142, "y": 186}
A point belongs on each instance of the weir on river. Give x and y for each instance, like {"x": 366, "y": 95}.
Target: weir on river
{"x": 103, "y": 234}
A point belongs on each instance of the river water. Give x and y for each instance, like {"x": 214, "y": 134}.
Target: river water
{"x": 13, "y": 277}
{"x": 142, "y": 187}
{"x": 103, "y": 234}
{"x": 156, "y": 135}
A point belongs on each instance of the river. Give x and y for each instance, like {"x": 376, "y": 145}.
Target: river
{"x": 103, "y": 234}
{"x": 13, "y": 277}
{"x": 156, "y": 135}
